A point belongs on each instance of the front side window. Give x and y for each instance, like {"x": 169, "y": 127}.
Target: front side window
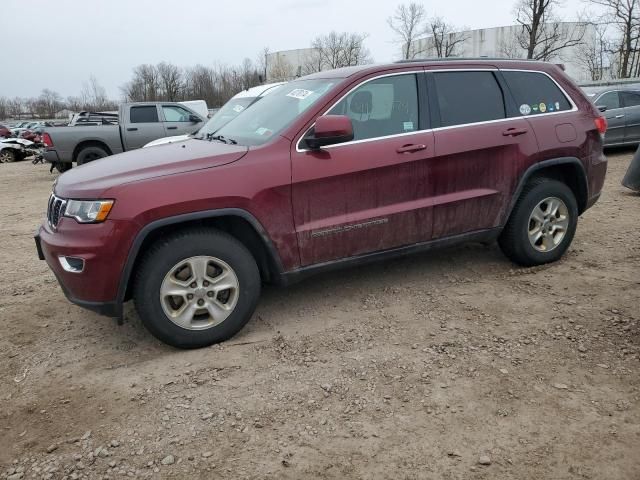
{"x": 272, "y": 114}
{"x": 468, "y": 97}
{"x": 146, "y": 114}
{"x": 173, "y": 113}
{"x": 535, "y": 93}
{"x": 630, "y": 99}
{"x": 382, "y": 107}
{"x": 610, "y": 100}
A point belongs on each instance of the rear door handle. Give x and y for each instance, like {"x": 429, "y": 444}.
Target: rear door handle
{"x": 132, "y": 129}
{"x": 619, "y": 116}
{"x": 172, "y": 128}
{"x": 411, "y": 148}
{"x": 514, "y": 132}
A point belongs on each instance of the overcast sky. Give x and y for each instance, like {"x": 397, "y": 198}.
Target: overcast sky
{"x": 58, "y": 44}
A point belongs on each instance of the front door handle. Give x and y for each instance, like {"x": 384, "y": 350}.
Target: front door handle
{"x": 619, "y": 116}
{"x": 132, "y": 129}
{"x": 172, "y": 128}
{"x": 412, "y": 147}
{"x": 514, "y": 132}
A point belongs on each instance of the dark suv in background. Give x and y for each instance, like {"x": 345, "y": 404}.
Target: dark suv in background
{"x": 621, "y": 107}
{"x": 334, "y": 169}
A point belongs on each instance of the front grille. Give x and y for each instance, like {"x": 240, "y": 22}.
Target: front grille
{"x": 55, "y": 210}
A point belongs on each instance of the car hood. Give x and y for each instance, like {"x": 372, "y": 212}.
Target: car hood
{"x": 95, "y": 178}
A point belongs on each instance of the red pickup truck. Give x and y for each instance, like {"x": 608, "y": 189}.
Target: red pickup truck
{"x": 332, "y": 170}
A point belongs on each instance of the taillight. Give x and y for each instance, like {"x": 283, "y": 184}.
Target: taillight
{"x": 601, "y": 124}
{"x": 46, "y": 139}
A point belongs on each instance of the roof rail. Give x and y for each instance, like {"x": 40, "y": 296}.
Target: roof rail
{"x": 453, "y": 59}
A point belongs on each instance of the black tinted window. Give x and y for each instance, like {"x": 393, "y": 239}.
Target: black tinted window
{"x": 611, "y": 100}
{"x": 144, "y": 114}
{"x": 630, "y": 99}
{"x": 536, "y": 93}
{"x": 386, "y": 106}
{"x": 468, "y": 97}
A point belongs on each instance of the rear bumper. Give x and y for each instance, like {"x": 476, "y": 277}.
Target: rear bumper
{"x": 102, "y": 247}
{"x": 51, "y": 156}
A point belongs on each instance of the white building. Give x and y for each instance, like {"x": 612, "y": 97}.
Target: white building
{"x": 499, "y": 42}
{"x": 288, "y": 64}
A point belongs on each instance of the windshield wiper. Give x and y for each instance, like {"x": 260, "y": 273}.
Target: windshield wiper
{"x": 220, "y": 138}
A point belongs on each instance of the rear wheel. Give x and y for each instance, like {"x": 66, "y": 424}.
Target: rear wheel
{"x": 89, "y": 154}
{"x": 196, "y": 288}
{"x": 542, "y": 224}
{"x": 7, "y": 155}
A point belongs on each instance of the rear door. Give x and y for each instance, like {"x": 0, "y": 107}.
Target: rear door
{"x": 615, "y": 115}
{"x": 177, "y": 120}
{"x": 631, "y": 104}
{"x": 372, "y": 193}
{"x": 479, "y": 150}
{"x": 142, "y": 127}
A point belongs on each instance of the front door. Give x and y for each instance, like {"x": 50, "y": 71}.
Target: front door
{"x": 177, "y": 121}
{"x": 631, "y": 104}
{"x": 372, "y": 193}
{"x": 478, "y": 151}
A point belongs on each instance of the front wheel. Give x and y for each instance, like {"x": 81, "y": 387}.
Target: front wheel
{"x": 63, "y": 166}
{"x": 542, "y": 224}
{"x": 7, "y": 155}
{"x": 196, "y": 288}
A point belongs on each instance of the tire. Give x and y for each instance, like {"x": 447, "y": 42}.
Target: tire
{"x": 91, "y": 153}
{"x": 529, "y": 240}
{"x": 169, "y": 261}
{"x": 7, "y": 155}
{"x": 63, "y": 166}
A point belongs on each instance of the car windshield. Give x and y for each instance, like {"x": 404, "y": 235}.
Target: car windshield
{"x": 228, "y": 112}
{"x": 274, "y": 113}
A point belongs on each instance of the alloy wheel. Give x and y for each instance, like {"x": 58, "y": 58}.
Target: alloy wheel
{"x": 548, "y": 224}
{"x": 199, "y": 292}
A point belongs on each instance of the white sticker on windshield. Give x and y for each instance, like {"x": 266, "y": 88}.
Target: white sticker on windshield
{"x": 299, "y": 93}
{"x": 408, "y": 126}
{"x": 238, "y": 108}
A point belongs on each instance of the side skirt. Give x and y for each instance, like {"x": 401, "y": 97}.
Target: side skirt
{"x": 483, "y": 236}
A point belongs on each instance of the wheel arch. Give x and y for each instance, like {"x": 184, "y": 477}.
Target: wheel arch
{"x": 89, "y": 143}
{"x": 569, "y": 170}
{"x": 239, "y": 223}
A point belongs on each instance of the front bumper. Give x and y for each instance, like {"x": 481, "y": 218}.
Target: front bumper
{"x": 104, "y": 252}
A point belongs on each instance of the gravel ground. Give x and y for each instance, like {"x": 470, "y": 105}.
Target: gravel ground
{"x": 449, "y": 365}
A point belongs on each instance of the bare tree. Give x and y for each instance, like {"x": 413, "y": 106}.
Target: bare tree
{"x": 336, "y": 50}
{"x": 509, "y": 46}
{"x": 624, "y": 15}
{"x": 261, "y": 63}
{"x": 407, "y": 23}
{"x": 445, "y": 41}
{"x": 170, "y": 80}
{"x": 543, "y": 35}
{"x": 593, "y": 56}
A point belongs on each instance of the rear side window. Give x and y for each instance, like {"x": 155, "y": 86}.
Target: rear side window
{"x": 611, "y": 100}
{"x": 381, "y": 107}
{"x": 535, "y": 93}
{"x": 630, "y": 99}
{"x": 468, "y": 97}
{"x": 146, "y": 114}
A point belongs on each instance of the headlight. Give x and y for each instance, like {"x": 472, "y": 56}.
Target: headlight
{"x": 88, "y": 211}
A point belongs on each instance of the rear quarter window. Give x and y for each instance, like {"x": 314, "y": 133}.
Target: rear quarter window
{"x": 535, "y": 93}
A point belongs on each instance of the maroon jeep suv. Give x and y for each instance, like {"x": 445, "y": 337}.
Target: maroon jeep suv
{"x": 333, "y": 169}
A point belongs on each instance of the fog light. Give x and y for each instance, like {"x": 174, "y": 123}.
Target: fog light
{"x": 72, "y": 264}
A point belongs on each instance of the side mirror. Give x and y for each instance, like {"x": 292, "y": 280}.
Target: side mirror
{"x": 194, "y": 118}
{"x": 329, "y": 130}
{"x": 602, "y": 108}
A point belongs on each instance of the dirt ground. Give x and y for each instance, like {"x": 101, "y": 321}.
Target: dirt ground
{"x": 450, "y": 365}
